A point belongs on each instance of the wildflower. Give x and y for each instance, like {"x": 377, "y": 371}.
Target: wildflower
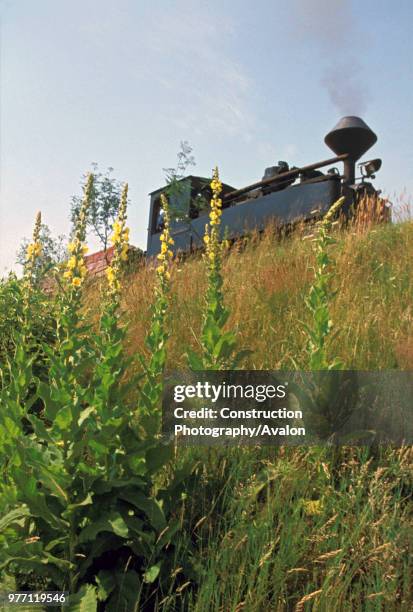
{"x": 313, "y": 507}
{"x": 110, "y": 275}
{"x": 216, "y": 184}
{"x": 211, "y": 237}
{"x": 166, "y": 254}
{"x": 30, "y": 251}
{"x": 124, "y": 253}
{"x": 119, "y": 239}
{"x": 75, "y": 267}
{"x": 72, "y": 263}
{"x": 320, "y": 294}
{"x": 217, "y": 344}
{"x": 33, "y": 252}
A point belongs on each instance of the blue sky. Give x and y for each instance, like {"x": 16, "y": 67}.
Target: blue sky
{"x": 246, "y": 83}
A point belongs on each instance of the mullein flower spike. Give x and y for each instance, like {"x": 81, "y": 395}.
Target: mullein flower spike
{"x": 120, "y": 241}
{"x": 33, "y": 252}
{"x": 166, "y": 255}
{"x": 34, "y": 249}
{"x": 75, "y": 267}
{"x": 211, "y": 237}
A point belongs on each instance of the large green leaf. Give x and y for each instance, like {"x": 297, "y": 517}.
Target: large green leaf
{"x": 148, "y": 505}
{"x": 13, "y": 516}
{"x": 127, "y": 595}
{"x": 85, "y": 600}
{"x": 112, "y": 522}
{"x": 152, "y": 573}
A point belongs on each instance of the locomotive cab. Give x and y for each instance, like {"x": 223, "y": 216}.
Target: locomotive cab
{"x": 189, "y": 200}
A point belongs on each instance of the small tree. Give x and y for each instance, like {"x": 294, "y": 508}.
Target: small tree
{"x": 175, "y": 186}
{"x": 104, "y": 204}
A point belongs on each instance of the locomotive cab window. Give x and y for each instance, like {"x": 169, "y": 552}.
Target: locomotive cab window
{"x": 188, "y": 199}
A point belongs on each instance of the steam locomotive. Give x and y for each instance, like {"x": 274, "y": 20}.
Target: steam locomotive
{"x": 284, "y": 195}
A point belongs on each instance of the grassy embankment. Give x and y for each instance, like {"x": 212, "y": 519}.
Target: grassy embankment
{"x": 265, "y": 286}
{"x": 285, "y": 529}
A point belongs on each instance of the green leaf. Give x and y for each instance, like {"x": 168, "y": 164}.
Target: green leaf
{"x": 152, "y": 573}
{"x": 64, "y": 417}
{"x": 148, "y": 505}
{"x": 34, "y": 498}
{"x": 85, "y": 600}
{"x": 195, "y": 361}
{"x": 39, "y": 428}
{"x": 13, "y": 516}
{"x": 158, "y": 456}
{"x": 84, "y": 414}
{"x": 112, "y": 522}
{"x": 127, "y": 595}
{"x": 106, "y": 582}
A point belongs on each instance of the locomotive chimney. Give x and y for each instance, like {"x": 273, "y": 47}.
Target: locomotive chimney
{"x": 353, "y": 136}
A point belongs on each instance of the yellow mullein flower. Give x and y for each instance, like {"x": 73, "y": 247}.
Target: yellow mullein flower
{"x": 165, "y": 254}
{"x": 72, "y": 263}
{"x": 216, "y": 184}
{"x": 110, "y": 274}
{"x": 33, "y": 251}
{"x": 313, "y": 507}
{"x": 211, "y": 236}
{"x": 119, "y": 239}
{"x": 124, "y": 253}
{"x": 75, "y": 267}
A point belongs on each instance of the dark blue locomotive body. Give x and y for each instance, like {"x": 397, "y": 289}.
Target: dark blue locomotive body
{"x": 284, "y": 196}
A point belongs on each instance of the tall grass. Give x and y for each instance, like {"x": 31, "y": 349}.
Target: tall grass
{"x": 93, "y": 500}
{"x": 265, "y": 286}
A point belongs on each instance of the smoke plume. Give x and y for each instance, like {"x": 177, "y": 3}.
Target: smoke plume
{"x": 330, "y": 26}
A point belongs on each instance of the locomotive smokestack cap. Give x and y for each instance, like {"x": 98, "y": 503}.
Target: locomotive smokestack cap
{"x": 351, "y": 135}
